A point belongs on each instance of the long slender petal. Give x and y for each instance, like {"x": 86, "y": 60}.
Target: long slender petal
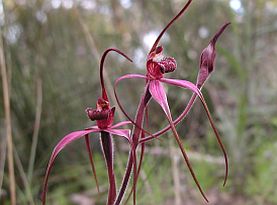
{"x": 159, "y": 95}
{"x": 176, "y": 121}
{"x": 91, "y": 161}
{"x": 120, "y": 132}
{"x": 92, "y": 127}
{"x": 120, "y": 124}
{"x": 131, "y": 76}
{"x": 59, "y": 147}
{"x": 193, "y": 88}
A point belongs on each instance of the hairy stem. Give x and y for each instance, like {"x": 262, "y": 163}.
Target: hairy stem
{"x": 135, "y": 139}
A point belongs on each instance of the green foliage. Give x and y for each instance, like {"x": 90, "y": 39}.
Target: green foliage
{"x": 262, "y": 183}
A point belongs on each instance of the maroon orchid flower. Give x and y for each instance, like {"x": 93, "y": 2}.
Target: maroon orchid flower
{"x": 157, "y": 65}
{"x": 104, "y": 117}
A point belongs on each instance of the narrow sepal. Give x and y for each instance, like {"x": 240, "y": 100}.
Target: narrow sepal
{"x": 193, "y": 88}
{"x": 58, "y": 148}
{"x": 176, "y": 121}
{"x": 91, "y": 161}
{"x": 120, "y": 124}
{"x": 159, "y": 95}
{"x": 120, "y": 132}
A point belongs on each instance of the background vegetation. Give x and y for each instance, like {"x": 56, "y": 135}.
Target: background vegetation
{"x": 51, "y": 52}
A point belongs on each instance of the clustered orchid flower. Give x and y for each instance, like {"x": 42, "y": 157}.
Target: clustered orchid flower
{"x": 104, "y": 117}
{"x": 157, "y": 65}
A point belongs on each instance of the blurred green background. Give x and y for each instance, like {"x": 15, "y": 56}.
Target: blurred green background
{"x": 52, "y": 50}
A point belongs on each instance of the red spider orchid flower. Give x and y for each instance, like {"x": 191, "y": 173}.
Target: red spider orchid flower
{"x": 157, "y": 65}
{"x": 206, "y": 67}
{"x": 104, "y": 117}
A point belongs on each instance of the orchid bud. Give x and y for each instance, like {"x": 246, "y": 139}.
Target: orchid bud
{"x": 207, "y": 59}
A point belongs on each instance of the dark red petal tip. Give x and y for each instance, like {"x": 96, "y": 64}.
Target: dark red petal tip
{"x": 219, "y": 32}
{"x": 168, "y": 25}
{"x": 207, "y": 58}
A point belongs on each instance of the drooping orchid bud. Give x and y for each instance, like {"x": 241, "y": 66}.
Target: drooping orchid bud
{"x": 207, "y": 58}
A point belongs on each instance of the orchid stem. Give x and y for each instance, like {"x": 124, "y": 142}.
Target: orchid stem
{"x": 125, "y": 180}
{"x": 136, "y": 133}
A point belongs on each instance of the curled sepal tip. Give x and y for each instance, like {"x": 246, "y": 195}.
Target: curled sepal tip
{"x": 104, "y": 93}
